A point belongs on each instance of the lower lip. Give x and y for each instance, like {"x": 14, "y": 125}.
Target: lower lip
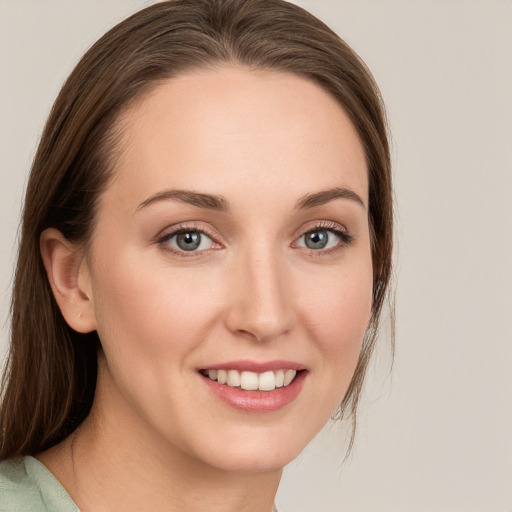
{"x": 257, "y": 401}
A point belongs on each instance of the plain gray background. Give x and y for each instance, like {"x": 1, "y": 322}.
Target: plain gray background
{"x": 437, "y": 434}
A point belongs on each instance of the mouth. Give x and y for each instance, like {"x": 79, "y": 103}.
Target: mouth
{"x": 253, "y": 381}
{"x": 255, "y": 387}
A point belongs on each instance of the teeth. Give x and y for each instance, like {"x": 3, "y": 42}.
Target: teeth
{"x": 233, "y": 378}
{"x": 249, "y": 381}
{"x": 267, "y": 381}
{"x": 252, "y": 381}
{"x": 222, "y": 376}
{"x": 289, "y": 376}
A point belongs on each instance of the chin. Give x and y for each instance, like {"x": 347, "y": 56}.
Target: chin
{"x": 265, "y": 460}
{"x": 251, "y": 451}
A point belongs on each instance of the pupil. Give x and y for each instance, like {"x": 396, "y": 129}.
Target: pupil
{"x": 188, "y": 241}
{"x": 316, "y": 239}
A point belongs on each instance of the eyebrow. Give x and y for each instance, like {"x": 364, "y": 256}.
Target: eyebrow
{"x": 212, "y": 202}
{"x": 215, "y": 202}
{"x": 325, "y": 196}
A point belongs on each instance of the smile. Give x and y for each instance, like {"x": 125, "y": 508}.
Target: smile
{"x": 255, "y": 387}
{"x": 252, "y": 381}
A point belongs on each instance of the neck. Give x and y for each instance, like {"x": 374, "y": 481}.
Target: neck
{"x": 113, "y": 462}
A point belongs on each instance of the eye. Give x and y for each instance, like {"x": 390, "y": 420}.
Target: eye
{"x": 324, "y": 239}
{"x": 319, "y": 239}
{"x": 189, "y": 240}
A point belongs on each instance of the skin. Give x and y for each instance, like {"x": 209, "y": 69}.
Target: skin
{"x": 262, "y": 140}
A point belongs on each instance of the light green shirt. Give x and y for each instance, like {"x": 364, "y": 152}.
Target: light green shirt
{"x": 27, "y": 486}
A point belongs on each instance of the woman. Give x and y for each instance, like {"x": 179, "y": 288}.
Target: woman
{"x": 205, "y": 252}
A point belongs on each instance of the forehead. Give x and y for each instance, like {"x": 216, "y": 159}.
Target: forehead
{"x": 233, "y": 130}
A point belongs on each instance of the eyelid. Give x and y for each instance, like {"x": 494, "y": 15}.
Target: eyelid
{"x": 339, "y": 229}
{"x": 171, "y": 231}
{"x": 328, "y": 225}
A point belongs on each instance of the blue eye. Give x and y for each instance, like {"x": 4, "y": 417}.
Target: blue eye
{"x": 318, "y": 239}
{"x": 190, "y": 240}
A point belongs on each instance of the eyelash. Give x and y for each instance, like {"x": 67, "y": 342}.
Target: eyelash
{"x": 163, "y": 240}
{"x": 345, "y": 238}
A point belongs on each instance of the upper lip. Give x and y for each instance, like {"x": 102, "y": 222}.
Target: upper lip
{"x": 255, "y": 366}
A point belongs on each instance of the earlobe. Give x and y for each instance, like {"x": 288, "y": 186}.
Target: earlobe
{"x": 68, "y": 275}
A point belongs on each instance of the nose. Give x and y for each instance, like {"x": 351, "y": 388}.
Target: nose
{"x": 260, "y": 298}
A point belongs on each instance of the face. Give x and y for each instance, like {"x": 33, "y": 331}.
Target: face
{"x": 232, "y": 243}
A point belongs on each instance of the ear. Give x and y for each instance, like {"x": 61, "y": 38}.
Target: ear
{"x": 69, "y": 277}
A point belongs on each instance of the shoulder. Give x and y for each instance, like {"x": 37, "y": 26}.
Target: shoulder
{"x": 17, "y": 491}
{"x": 26, "y": 485}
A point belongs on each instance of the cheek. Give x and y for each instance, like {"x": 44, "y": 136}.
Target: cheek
{"x": 339, "y": 305}
{"x": 338, "y": 311}
{"x": 150, "y": 309}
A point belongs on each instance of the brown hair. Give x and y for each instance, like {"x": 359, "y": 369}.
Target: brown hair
{"x": 49, "y": 381}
